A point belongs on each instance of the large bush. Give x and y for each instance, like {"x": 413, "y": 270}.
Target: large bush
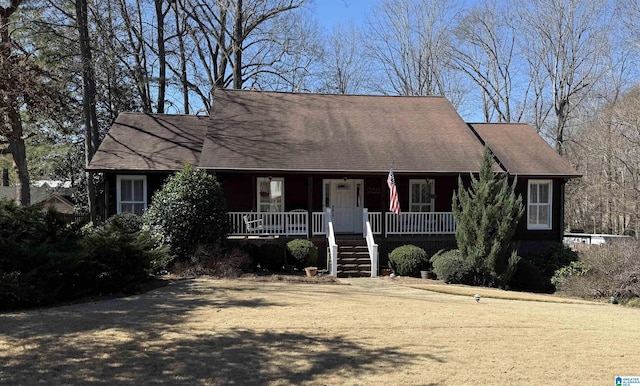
{"x": 118, "y": 258}
{"x": 550, "y": 260}
{"x": 452, "y": 268}
{"x": 304, "y": 252}
{"x": 44, "y": 261}
{"x": 408, "y": 260}
{"x": 486, "y": 217}
{"x": 603, "y": 271}
{"x": 188, "y": 210}
{"x": 527, "y": 277}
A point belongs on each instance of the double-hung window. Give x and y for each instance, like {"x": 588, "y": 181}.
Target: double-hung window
{"x": 421, "y": 195}
{"x": 131, "y": 194}
{"x": 539, "y": 204}
{"x": 270, "y": 194}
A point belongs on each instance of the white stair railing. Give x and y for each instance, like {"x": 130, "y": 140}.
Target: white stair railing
{"x": 371, "y": 244}
{"x": 333, "y": 247}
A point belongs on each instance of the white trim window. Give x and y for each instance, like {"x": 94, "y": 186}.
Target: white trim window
{"x": 270, "y": 194}
{"x": 421, "y": 195}
{"x": 540, "y": 197}
{"x": 131, "y": 194}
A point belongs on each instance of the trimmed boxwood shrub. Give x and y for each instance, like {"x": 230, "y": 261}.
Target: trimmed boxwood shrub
{"x": 450, "y": 267}
{"x": 304, "y": 252}
{"x": 408, "y": 260}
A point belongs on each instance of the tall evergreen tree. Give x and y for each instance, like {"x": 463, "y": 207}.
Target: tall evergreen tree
{"x": 486, "y": 217}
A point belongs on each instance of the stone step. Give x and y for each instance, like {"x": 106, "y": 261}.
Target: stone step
{"x": 354, "y": 260}
{"x": 353, "y": 254}
{"x": 353, "y": 273}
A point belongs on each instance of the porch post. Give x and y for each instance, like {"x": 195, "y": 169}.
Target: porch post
{"x": 383, "y": 205}
{"x": 309, "y": 207}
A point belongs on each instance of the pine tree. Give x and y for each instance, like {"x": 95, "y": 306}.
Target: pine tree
{"x": 486, "y": 217}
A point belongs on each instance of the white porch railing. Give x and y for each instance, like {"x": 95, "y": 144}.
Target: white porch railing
{"x": 332, "y": 246}
{"x": 269, "y": 223}
{"x": 420, "y": 223}
{"x": 371, "y": 244}
{"x": 297, "y": 223}
{"x": 318, "y": 225}
{"x": 375, "y": 219}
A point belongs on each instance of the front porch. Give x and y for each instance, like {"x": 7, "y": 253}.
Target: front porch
{"x": 353, "y": 254}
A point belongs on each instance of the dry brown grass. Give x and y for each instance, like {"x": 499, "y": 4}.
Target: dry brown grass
{"x": 205, "y": 331}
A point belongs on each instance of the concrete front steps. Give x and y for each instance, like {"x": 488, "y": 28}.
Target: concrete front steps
{"x": 353, "y": 258}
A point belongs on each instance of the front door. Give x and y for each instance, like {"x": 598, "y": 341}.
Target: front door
{"x": 344, "y": 197}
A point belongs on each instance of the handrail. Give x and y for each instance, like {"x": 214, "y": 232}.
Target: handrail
{"x": 371, "y": 244}
{"x": 333, "y": 247}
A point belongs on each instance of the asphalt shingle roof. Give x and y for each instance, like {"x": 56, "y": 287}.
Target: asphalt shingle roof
{"x": 522, "y": 151}
{"x": 158, "y": 142}
{"x": 257, "y": 130}
{"x": 316, "y": 132}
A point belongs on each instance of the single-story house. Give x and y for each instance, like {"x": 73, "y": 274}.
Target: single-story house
{"x": 58, "y": 198}
{"x": 316, "y": 166}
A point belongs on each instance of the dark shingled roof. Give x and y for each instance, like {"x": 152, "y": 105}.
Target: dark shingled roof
{"x": 315, "y": 132}
{"x": 156, "y": 142}
{"x": 522, "y": 151}
{"x": 273, "y": 131}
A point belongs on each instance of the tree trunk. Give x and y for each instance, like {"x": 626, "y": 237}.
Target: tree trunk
{"x": 88, "y": 101}
{"x": 162, "y": 58}
{"x": 237, "y": 47}
{"x": 14, "y": 132}
{"x": 183, "y": 62}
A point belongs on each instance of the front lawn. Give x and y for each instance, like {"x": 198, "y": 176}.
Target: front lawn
{"x": 210, "y": 332}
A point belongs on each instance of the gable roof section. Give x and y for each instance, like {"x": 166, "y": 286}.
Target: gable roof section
{"x": 253, "y": 130}
{"x": 156, "y": 142}
{"x": 522, "y": 151}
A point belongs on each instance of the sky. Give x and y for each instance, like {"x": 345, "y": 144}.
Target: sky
{"x": 331, "y": 12}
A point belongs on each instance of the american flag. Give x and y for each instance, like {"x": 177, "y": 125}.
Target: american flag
{"x": 394, "y": 204}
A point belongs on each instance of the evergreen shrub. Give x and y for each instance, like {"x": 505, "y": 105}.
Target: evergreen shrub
{"x": 527, "y": 277}
{"x": 117, "y": 259}
{"x": 189, "y": 209}
{"x": 408, "y": 260}
{"x": 550, "y": 260}
{"x": 452, "y": 268}
{"x": 304, "y": 252}
{"x": 486, "y": 218}
{"x": 129, "y": 222}
{"x": 272, "y": 256}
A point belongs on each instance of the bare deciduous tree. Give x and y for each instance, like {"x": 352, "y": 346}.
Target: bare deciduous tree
{"x": 411, "y": 44}
{"x": 563, "y": 42}
{"x": 486, "y": 52}
{"x": 345, "y": 69}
